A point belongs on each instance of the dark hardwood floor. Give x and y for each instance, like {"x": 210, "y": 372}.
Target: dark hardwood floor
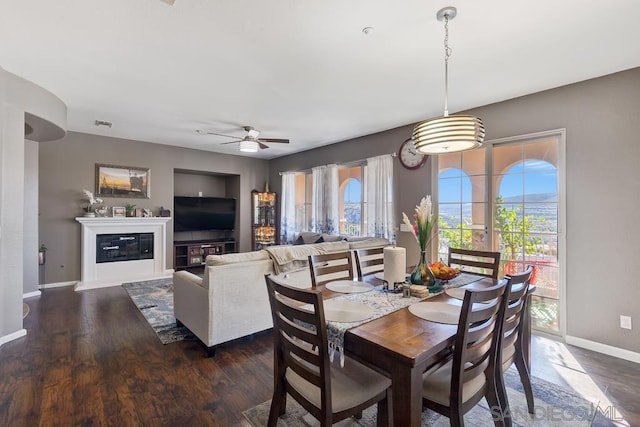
{"x": 91, "y": 359}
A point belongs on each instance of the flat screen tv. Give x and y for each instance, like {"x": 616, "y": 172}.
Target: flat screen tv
{"x": 203, "y": 213}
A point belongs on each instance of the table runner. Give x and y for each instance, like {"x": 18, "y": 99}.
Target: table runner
{"x": 462, "y": 279}
{"x": 382, "y": 303}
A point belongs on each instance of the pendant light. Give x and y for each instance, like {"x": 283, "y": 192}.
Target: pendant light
{"x": 448, "y": 134}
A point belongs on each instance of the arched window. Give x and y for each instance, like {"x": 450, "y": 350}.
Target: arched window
{"x": 351, "y": 206}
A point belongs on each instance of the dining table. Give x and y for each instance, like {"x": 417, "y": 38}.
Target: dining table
{"x": 403, "y": 346}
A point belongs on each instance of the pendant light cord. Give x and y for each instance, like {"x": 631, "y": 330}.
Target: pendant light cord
{"x": 447, "y": 54}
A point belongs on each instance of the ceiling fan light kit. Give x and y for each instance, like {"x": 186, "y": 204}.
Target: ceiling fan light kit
{"x": 248, "y": 146}
{"x": 448, "y": 134}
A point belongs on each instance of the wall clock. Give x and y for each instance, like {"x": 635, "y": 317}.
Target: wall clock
{"x": 409, "y": 157}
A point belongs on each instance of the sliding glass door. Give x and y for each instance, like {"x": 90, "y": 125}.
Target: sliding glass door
{"x": 507, "y": 197}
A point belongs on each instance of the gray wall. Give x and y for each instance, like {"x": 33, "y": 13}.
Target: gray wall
{"x": 20, "y": 102}
{"x": 67, "y": 167}
{"x": 601, "y": 117}
{"x": 30, "y": 250}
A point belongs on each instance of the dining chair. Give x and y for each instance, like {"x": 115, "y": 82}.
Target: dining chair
{"x": 456, "y": 386}
{"x": 302, "y": 368}
{"x": 326, "y": 268}
{"x": 369, "y": 261}
{"x": 479, "y": 262}
{"x": 514, "y": 338}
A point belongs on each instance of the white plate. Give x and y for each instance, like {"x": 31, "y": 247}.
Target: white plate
{"x": 436, "y": 311}
{"x": 339, "y": 310}
{"x": 457, "y": 293}
{"x": 380, "y": 276}
{"x": 348, "y": 286}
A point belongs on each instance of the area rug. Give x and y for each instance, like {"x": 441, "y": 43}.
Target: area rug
{"x": 154, "y": 299}
{"x": 553, "y": 406}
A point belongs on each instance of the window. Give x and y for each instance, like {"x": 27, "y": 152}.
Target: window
{"x": 351, "y": 200}
{"x": 303, "y": 190}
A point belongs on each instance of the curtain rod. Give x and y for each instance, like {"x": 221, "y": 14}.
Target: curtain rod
{"x": 394, "y": 154}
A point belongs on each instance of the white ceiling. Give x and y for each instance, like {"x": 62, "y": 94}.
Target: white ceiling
{"x": 299, "y": 69}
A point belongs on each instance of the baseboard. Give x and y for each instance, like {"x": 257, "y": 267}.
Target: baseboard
{"x": 31, "y": 294}
{"x": 13, "y": 336}
{"x": 609, "y": 350}
{"x": 57, "y": 285}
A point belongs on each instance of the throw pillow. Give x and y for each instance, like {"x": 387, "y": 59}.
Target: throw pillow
{"x": 307, "y": 237}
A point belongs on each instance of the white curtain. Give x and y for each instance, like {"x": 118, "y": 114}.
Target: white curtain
{"x": 379, "y": 185}
{"x": 324, "y": 200}
{"x": 288, "y": 231}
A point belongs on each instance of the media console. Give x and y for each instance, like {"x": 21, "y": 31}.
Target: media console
{"x": 191, "y": 254}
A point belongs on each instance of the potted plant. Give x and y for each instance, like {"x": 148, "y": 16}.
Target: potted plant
{"x": 94, "y": 203}
{"x": 129, "y": 208}
{"x": 42, "y": 251}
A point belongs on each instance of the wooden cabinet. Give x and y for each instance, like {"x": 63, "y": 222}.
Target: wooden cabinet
{"x": 263, "y": 213}
{"x": 192, "y": 254}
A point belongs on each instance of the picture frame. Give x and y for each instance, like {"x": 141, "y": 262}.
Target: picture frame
{"x": 122, "y": 181}
{"x": 118, "y": 212}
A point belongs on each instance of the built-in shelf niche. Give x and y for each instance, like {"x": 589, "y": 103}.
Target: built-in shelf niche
{"x": 194, "y": 183}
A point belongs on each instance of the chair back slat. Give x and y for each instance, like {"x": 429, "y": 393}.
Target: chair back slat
{"x": 369, "y": 261}
{"x": 478, "y": 262}
{"x": 325, "y": 268}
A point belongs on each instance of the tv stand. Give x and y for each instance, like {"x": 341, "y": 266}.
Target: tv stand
{"x": 192, "y": 253}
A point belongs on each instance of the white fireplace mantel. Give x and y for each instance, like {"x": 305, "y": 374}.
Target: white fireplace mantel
{"x": 100, "y": 275}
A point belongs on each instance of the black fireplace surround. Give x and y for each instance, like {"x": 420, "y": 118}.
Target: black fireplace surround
{"x": 124, "y": 247}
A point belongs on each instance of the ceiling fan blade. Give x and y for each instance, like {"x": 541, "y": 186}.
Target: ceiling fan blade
{"x": 171, "y": 2}
{"x": 201, "y": 132}
{"x": 279, "y": 140}
{"x": 262, "y": 145}
{"x": 230, "y": 142}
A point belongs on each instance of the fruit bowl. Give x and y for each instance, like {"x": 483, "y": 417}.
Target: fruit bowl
{"x": 443, "y": 271}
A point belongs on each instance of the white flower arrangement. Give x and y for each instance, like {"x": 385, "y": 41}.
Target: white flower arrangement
{"x": 423, "y": 226}
{"x": 92, "y": 201}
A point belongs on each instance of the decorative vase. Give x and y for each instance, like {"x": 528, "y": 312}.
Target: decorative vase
{"x": 90, "y": 214}
{"x": 423, "y": 275}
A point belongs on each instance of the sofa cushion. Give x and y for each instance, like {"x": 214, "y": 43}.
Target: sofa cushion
{"x": 238, "y": 257}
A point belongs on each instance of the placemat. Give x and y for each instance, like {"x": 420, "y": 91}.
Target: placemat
{"x": 457, "y": 293}
{"x": 336, "y": 310}
{"x": 439, "y": 312}
{"x": 348, "y": 286}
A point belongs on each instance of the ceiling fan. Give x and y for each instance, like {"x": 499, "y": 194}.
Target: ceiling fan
{"x": 250, "y": 142}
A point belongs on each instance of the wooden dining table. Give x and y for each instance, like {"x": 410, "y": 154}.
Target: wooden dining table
{"x": 402, "y": 346}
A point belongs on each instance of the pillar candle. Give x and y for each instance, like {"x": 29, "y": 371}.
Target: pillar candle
{"x": 395, "y": 264}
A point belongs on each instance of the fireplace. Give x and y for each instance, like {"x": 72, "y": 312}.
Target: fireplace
{"x": 120, "y": 250}
{"x": 123, "y": 247}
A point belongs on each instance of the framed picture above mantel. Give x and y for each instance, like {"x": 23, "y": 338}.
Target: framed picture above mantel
{"x": 122, "y": 181}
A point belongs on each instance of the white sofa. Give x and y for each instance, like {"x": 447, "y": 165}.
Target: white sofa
{"x": 230, "y": 301}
